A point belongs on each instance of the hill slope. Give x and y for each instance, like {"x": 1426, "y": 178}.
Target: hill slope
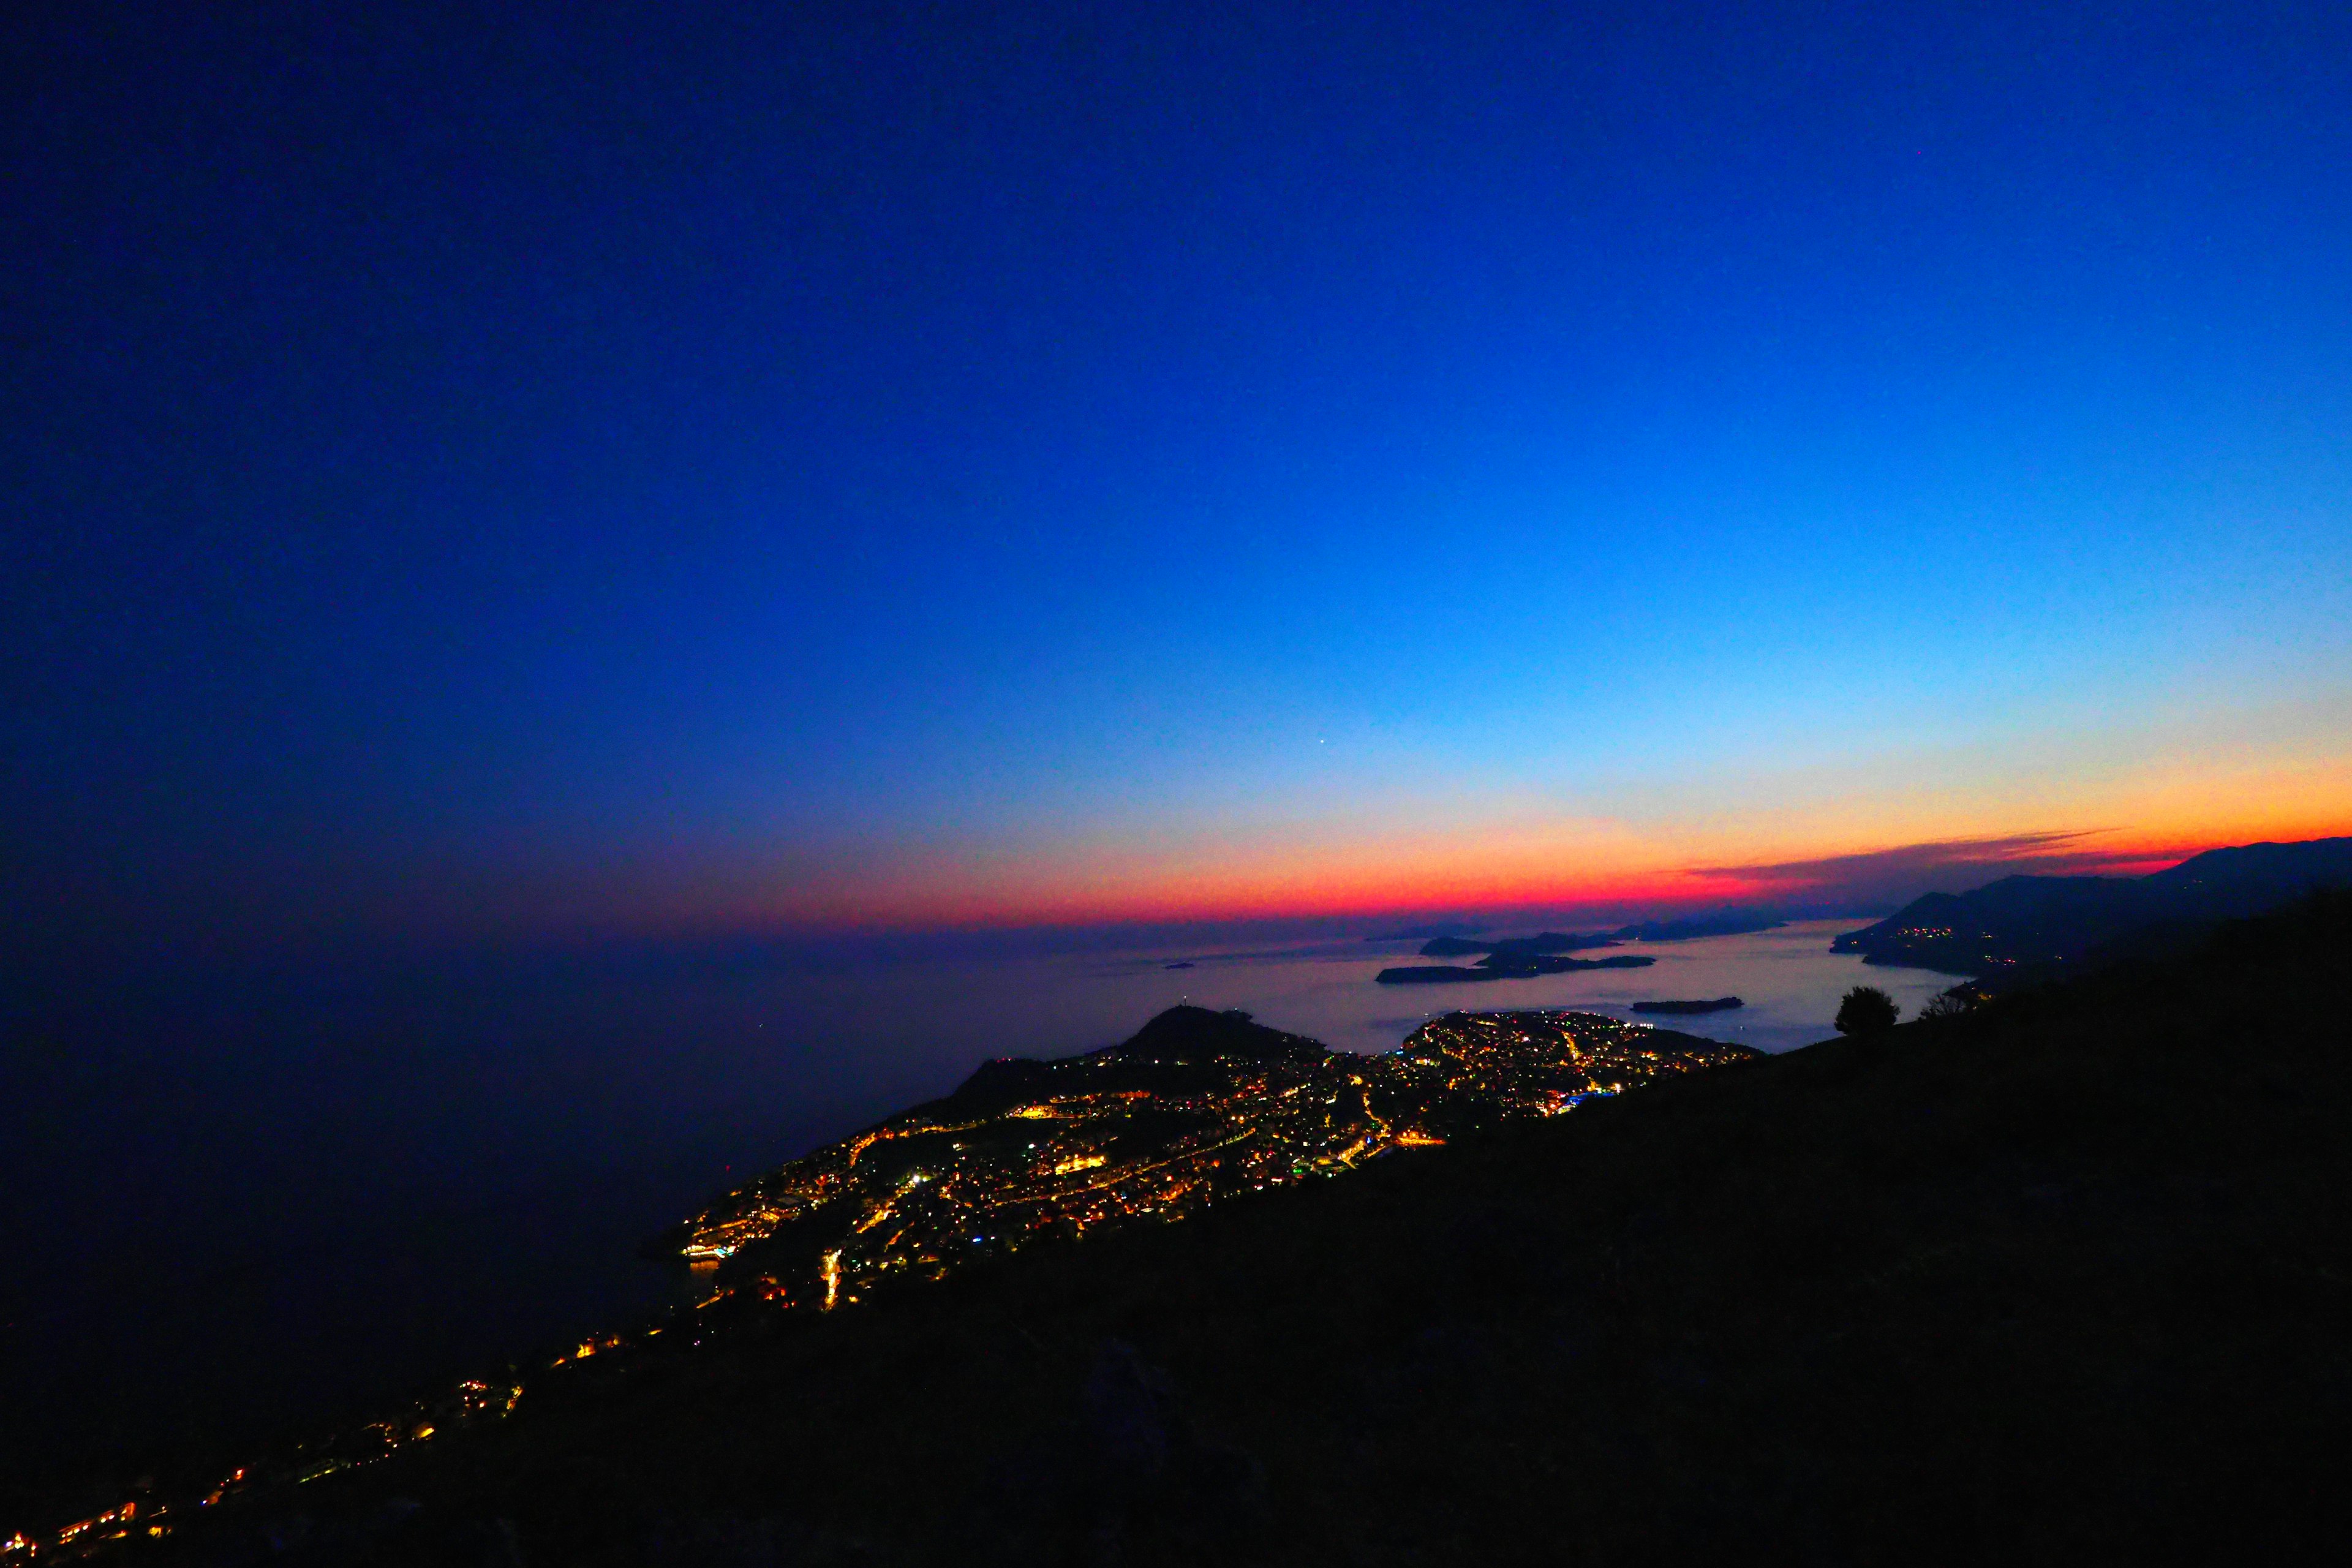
{"x": 2064, "y": 1279}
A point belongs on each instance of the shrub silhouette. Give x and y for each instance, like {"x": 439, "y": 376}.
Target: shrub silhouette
{"x": 1946, "y": 1005}
{"x": 1866, "y": 1010}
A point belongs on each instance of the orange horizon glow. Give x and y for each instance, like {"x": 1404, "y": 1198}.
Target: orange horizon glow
{"x": 1316, "y": 887}
{"x": 2123, "y": 802}
{"x": 1840, "y": 838}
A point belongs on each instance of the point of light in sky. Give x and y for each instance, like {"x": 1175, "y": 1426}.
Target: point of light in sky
{"x": 677, "y": 470}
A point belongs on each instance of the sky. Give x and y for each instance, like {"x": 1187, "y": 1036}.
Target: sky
{"x": 684, "y": 469}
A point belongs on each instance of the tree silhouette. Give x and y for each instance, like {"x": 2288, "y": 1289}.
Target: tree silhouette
{"x": 1866, "y": 1010}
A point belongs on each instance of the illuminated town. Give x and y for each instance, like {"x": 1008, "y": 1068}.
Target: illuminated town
{"x": 1198, "y": 1105}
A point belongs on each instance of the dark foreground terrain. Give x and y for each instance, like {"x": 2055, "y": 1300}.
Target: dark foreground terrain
{"x": 2064, "y": 1279}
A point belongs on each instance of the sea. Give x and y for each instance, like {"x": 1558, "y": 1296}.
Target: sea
{"x": 238, "y": 1209}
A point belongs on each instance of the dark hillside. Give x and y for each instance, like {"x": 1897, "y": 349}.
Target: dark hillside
{"x": 2064, "y": 1278}
{"x": 2034, "y": 922}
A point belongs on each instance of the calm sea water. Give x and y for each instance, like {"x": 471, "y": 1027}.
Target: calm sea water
{"x": 1788, "y": 979}
{"x": 237, "y": 1207}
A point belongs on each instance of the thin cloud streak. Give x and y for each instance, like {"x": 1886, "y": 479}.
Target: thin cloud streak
{"x": 1887, "y": 878}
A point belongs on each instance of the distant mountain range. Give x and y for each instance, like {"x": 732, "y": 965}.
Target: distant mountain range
{"x": 2029, "y": 921}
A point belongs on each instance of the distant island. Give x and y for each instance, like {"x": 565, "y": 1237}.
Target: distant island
{"x": 1720, "y": 1005}
{"x": 2056, "y": 921}
{"x": 1415, "y": 934}
{"x": 1720, "y": 922}
{"x": 1543, "y": 941}
{"x": 1502, "y": 966}
{"x": 1179, "y": 964}
{"x": 1688, "y": 928}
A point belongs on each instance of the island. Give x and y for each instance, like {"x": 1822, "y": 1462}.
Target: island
{"x": 1432, "y": 974}
{"x": 1416, "y": 933}
{"x": 1542, "y": 942}
{"x": 1504, "y": 966}
{"x": 1720, "y": 1005}
{"x": 1687, "y": 928}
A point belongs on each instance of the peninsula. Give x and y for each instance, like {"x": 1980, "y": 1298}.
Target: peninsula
{"x": 1196, "y": 1107}
{"x": 2054, "y": 921}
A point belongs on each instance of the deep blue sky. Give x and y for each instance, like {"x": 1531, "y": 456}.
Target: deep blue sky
{"x": 633, "y": 467}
